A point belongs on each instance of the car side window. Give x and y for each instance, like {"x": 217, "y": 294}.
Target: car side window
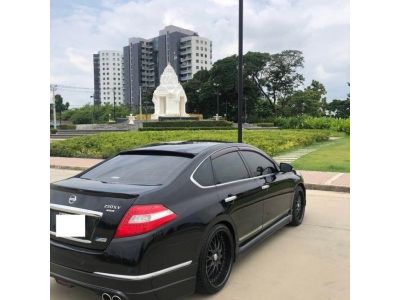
{"x": 258, "y": 164}
{"x": 229, "y": 167}
{"x": 204, "y": 174}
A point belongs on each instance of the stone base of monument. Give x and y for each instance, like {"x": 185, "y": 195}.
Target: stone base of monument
{"x": 178, "y": 118}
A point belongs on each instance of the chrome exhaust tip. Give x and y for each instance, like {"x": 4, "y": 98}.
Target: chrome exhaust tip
{"x": 116, "y": 297}
{"x": 106, "y": 296}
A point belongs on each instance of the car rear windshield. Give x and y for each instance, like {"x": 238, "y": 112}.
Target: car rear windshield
{"x": 138, "y": 169}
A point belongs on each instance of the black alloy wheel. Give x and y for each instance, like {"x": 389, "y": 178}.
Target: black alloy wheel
{"x": 298, "y": 208}
{"x": 216, "y": 259}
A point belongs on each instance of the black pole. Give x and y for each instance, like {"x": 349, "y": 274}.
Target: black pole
{"x": 240, "y": 72}
{"x": 226, "y": 108}
{"x": 93, "y": 108}
{"x": 114, "y": 103}
{"x": 218, "y": 104}
{"x": 245, "y": 109}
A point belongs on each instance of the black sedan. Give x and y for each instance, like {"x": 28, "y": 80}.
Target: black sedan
{"x": 166, "y": 220}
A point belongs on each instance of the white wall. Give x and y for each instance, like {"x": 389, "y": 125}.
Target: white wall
{"x": 111, "y": 76}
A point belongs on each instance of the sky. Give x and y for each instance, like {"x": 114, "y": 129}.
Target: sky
{"x": 318, "y": 28}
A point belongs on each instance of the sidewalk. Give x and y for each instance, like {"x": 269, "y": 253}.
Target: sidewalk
{"x": 325, "y": 181}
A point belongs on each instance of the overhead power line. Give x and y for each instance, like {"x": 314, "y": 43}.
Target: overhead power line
{"x": 70, "y": 87}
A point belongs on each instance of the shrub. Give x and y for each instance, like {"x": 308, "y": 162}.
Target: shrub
{"x": 342, "y": 125}
{"x": 67, "y": 126}
{"x": 53, "y": 131}
{"x": 187, "y": 124}
{"x": 103, "y": 145}
{"x": 100, "y": 113}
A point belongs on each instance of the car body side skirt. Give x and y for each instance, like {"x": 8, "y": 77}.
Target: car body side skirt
{"x": 266, "y": 233}
{"x": 260, "y": 228}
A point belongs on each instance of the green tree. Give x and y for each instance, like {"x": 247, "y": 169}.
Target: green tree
{"x": 311, "y": 101}
{"x": 277, "y": 76}
{"x": 192, "y": 89}
{"x": 222, "y": 80}
{"x": 84, "y": 115}
{"x": 147, "y": 100}
{"x": 339, "y": 108}
{"x": 60, "y": 106}
{"x": 203, "y": 89}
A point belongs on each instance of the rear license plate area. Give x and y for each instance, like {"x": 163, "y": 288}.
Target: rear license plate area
{"x": 90, "y": 223}
{"x": 68, "y": 226}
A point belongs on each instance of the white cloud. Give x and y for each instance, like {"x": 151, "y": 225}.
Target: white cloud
{"x": 79, "y": 60}
{"x": 319, "y": 28}
{"x": 226, "y": 3}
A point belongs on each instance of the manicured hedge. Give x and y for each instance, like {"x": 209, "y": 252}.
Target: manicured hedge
{"x": 104, "y": 145}
{"x": 187, "y": 124}
{"x": 342, "y": 125}
{"x": 184, "y": 128}
{"x": 265, "y": 124}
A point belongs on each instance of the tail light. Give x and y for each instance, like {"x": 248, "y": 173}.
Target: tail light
{"x": 140, "y": 219}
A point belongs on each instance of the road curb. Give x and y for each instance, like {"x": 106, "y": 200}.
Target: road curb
{"x": 68, "y": 168}
{"x": 309, "y": 186}
{"x": 329, "y": 188}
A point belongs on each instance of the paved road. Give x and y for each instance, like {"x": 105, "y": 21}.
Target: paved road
{"x": 302, "y": 263}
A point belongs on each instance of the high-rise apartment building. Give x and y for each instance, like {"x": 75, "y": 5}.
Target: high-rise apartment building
{"x": 108, "y": 77}
{"x": 195, "y": 55}
{"x": 146, "y": 59}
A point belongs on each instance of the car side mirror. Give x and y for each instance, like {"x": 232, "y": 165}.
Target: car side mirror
{"x": 285, "y": 167}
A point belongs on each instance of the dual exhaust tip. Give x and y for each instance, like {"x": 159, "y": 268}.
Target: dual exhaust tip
{"x": 106, "y": 296}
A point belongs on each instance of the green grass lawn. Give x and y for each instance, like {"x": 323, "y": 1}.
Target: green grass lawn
{"x": 104, "y": 145}
{"x": 330, "y": 156}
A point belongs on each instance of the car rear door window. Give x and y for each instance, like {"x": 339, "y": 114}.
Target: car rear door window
{"x": 139, "y": 169}
{"x": 229, "y": 167}
{"x": 204, "y": 174}
{"x": 258, "y": 164}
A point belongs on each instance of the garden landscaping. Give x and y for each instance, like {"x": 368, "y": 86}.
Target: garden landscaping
{"x": 104, "y": 145}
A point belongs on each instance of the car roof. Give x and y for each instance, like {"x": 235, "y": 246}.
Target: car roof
{"x": 189, "y": 147}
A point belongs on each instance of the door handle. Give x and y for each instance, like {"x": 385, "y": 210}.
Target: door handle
{"x": 265, "y": 186}
{"x": 230, "y": 199}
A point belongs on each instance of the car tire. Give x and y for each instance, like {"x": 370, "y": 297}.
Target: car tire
{"x": 298, "y": 207}
{"x": 215, "y": 261}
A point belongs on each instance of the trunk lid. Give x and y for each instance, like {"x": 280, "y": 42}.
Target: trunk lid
{"x": 103, "y": 204}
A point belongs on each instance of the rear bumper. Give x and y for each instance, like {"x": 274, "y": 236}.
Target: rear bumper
{"x": 171, "y": 284}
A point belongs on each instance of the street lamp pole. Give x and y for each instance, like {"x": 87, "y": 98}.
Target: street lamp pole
{"x": 218, "y": 103}
{"x": 114, "y": 102}
{"x": 226, "y": 109}
{"x": 217, "y": 87}
{"x": 92, "y": 96}
{"x": 240, "y": 72}
{"x": 140, "y": 101}
{"x": 53, "y": 89}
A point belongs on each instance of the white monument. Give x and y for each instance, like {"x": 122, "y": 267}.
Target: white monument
{"x": 169, "y": 98}
{"x": 131, "y": 119}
